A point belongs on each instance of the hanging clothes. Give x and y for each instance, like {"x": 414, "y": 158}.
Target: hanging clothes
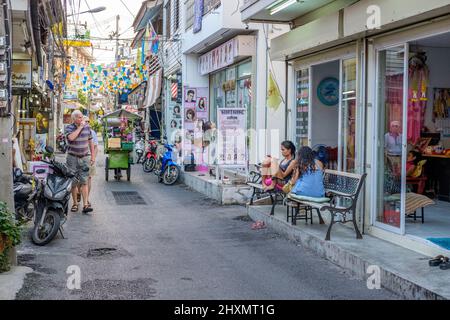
{"x": 417, "y": 96}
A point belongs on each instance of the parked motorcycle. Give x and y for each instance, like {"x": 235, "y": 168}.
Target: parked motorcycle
{"x": 139, "y": 149}
{"x": 53, "y": 202}
{"x": 166, "y": 169}
{"x": 26, "y": 189}
{"x": 151, "y": 157}
{"x": 61, "y": 142}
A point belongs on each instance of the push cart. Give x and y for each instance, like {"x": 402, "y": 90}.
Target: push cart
{"x": 119, "y": 142}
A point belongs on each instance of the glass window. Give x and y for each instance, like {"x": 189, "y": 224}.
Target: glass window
{"x": 302, "y": 108}
{"x": 348, "y": 114}
{"x": 245, "y": 70}
{"x": 245, "y": 98}
{"x": 217, "y": 94}
{"x": 391, "y": 75}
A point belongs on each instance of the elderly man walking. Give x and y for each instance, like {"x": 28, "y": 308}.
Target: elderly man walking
{"x": 80, "y": 157}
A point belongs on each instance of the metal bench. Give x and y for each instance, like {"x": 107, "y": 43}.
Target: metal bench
{"x": 343, "y": 189}
{"x": 254, "y": 180}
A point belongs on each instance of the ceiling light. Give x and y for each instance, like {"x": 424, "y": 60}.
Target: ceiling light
{"x": 281, "y": 5}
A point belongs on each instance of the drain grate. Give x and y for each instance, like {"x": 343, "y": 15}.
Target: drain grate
{"x": 98, "y": 252}
{"x": 128, "y": 198}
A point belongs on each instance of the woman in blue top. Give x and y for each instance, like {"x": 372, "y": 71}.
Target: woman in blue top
{"x": 308, "y": 177}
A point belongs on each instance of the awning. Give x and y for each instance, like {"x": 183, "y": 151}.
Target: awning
{"x": 73, "y": 105}
{"x": 153, "y": 89}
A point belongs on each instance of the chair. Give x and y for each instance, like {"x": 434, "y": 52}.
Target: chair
{"x": 418, "y": 178}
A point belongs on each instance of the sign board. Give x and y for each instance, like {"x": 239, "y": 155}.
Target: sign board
{"x": 70, "y": 95}
{"x": 199, "y": 7}
{"x": 21, "y": 74}
{"x": 227, "y": 54}
{"x": 77, "y": 43}
{"x": 232, "y": 144}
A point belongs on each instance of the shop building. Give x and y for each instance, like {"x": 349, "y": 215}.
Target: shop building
{"x": 375, "y": 73}
{"x": 225, "y": 66}
{"x": 33, "y": 74}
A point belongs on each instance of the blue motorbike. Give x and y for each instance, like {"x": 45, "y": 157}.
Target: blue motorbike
{"x": 166, "y": 169}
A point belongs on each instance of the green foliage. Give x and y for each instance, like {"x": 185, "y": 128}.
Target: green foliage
{"x": 96, "y": 126}
{"x": 10, "y": 231}
{"x": 82, "y": 98}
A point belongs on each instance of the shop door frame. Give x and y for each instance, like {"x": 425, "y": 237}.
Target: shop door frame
{"x": 340, "y": 58}
{"x": 376, "y": 116}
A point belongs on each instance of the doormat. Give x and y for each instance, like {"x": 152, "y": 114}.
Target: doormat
{"x": 442, "y": 242}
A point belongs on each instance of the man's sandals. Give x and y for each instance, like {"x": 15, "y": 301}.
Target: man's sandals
{"x": 87, "y": 208}
{"x": 440, "y": 261}
{"x": 74, "y": 207}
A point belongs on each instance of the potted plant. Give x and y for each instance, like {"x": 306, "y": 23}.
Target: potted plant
{"x": 10, "y": 235}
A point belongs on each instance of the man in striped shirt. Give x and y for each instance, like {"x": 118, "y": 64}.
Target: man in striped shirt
{"x": 80, "y": 156}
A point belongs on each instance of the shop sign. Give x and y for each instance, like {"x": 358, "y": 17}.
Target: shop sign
{"x": 227, "y": 54}
{"x": 77, "y": 43}
{"x": 70, "y": 95}
{"x": 198, "y": 15}
{"x": 21, "y": 74}
{"x": 232, "y": 144}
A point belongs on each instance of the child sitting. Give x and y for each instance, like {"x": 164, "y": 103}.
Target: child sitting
{"x": 308, "y": 178}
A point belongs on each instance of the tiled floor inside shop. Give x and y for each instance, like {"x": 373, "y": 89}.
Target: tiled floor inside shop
{"x": 437, "y": 222}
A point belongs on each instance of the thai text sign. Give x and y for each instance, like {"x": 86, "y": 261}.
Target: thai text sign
{"x": 232, "y": 144}
{"x": 227, "y": 54}
{"x": 21, "y": 74}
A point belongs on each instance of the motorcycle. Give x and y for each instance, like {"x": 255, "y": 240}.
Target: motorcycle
{"x": 26, "y": 189}
{"x": 61, "y": 142}
{"x": 53, "y": 202}
{"x": 151, "y": 157}
{"x": 166, "y": 169}
{"x": 139, "y": 149}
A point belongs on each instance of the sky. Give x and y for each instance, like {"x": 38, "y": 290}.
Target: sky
{"x": 104, "y": 23}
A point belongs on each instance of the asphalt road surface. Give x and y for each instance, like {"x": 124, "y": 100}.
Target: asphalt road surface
{"x": 178, "y": 245}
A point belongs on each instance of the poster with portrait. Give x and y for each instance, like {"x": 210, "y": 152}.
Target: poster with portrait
{"x": 41, "y": 142}
{"x": 42, "y": 122}
{"x": 195, "y": 115}
{"x": 231, "y": 146}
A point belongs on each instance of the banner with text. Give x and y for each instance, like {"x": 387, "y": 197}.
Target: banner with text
{"x": 232, "y": 144}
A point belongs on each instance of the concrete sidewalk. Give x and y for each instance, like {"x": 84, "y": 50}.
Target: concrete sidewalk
{"x": 403, "y": 271}
{"x": 12, "y": 281}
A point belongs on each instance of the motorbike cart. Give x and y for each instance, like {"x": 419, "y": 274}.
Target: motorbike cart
{"x": 119, "y": 142}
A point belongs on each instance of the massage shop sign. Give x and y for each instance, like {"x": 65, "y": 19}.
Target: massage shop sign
{"x": 21, "y": 74}
{"x": 232, "y": 144}
{"x": 227, "y": 54}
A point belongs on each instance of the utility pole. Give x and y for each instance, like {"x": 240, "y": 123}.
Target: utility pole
{"x": 6, "y": 123}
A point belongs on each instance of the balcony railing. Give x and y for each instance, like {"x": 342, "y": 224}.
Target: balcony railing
{"x": 209, "y": 5}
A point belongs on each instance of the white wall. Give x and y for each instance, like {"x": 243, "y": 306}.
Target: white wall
{"x": 325, "y": 119}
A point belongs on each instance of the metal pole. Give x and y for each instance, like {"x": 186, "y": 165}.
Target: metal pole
{"x": 117, "y": 55}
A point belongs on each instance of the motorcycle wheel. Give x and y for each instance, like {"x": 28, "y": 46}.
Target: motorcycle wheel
{"x": 171, "y": 175}
{"x": 149, "y": 165}
{"x": 43, "y": 235}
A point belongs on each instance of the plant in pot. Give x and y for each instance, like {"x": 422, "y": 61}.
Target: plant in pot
{"x": 10, "y": 236}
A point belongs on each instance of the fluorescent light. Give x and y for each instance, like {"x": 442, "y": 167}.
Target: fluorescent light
{"x": 281, "y": 6}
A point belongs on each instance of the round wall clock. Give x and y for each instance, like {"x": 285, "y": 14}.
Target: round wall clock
{"x": 328, "y": 91}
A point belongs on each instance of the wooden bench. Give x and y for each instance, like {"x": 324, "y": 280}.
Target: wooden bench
{"x": 254, "y": 180}
{"x": 342, "y": 189}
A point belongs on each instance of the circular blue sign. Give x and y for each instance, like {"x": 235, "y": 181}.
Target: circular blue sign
{"x": 328, "y": 91}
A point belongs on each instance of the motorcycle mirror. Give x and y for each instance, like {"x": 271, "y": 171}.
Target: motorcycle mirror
{"x": 17, "y": 173}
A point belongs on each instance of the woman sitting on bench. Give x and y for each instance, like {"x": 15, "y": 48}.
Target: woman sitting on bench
{"x": 308, "y": 177}
{"x": 286, "y": 167}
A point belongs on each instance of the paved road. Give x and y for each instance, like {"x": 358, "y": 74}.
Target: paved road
{"x": 180, "y": 245}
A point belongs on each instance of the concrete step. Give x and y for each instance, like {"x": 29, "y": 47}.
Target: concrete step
{"x": 402, "y": 271}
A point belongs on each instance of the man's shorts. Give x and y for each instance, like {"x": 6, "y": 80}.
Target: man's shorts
{"x": 92, "y": 170}
{"x": 81, "y": 166}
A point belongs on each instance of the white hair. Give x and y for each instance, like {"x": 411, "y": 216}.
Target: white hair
{"x": 75, "y": 114}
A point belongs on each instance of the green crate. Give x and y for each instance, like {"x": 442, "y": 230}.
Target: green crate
{"x": 127, "y": 146}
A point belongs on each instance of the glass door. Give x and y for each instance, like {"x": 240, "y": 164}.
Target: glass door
{"x": 390, "y": 144}
{"x": 302, "y": 114}
{"x": 347, "y": 116}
